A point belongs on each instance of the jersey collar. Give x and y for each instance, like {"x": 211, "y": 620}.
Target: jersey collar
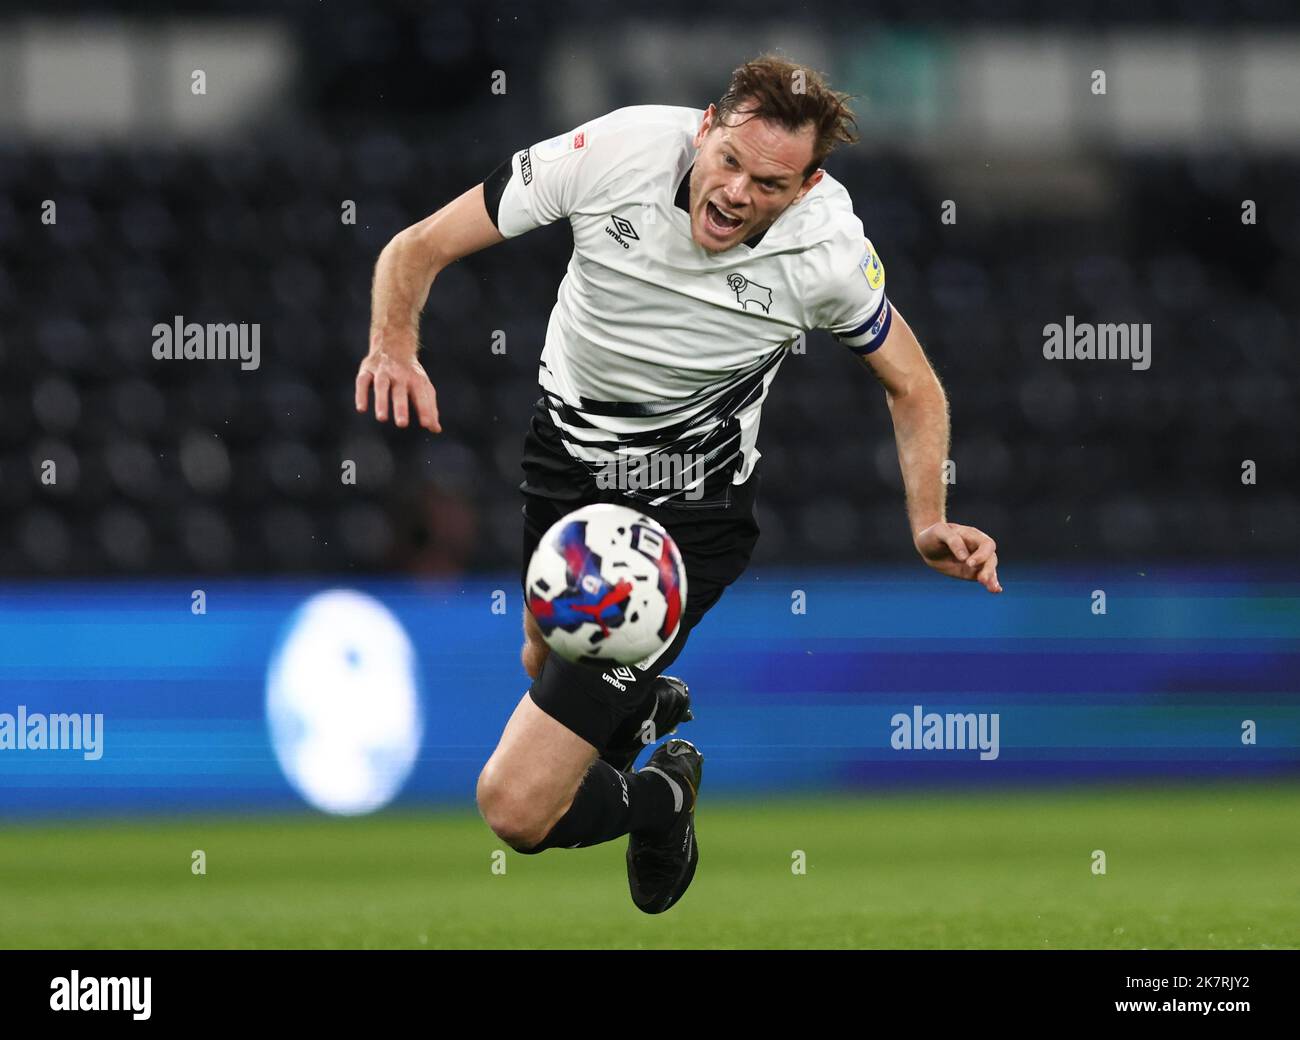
{"x": 683, "y": 202}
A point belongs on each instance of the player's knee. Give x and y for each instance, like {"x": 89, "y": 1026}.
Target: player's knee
{"x": 516, "y": 818}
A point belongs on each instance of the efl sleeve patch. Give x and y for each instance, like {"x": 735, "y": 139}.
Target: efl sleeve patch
{"x": 546, "y": 181}
{"x": 549, "y": 151}
{"x": 872, "y": 269}
{"x": 859, "y": 312}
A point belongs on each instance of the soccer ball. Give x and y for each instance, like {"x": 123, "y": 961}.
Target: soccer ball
{"x": 606, "y": 583}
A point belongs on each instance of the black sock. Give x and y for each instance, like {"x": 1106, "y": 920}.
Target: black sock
{"x": 610, "y": 804}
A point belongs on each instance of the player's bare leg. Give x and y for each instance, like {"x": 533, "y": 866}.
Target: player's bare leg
{"x": 544, "y": 786}
{"x": 529, "y": 782}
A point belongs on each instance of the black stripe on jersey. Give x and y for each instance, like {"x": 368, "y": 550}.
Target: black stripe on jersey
{"x": 719, "y": 457}
{"x": 625, "y": 410}
{"x": 727, "y": 401}
{"x": 711, "y": 434}
{"x": 634, "y": 410}
{"x": 494, "y": 186}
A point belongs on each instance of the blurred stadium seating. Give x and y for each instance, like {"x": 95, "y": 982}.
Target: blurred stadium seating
{"x": 183, "y": 468}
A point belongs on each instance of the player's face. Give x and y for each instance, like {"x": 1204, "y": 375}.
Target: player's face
{"x": 747, "y": 173}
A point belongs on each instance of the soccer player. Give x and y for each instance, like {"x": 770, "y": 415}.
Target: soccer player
{"x": 704, "y": 245}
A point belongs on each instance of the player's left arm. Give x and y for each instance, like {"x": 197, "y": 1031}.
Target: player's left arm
{"x": 919, "y": 409}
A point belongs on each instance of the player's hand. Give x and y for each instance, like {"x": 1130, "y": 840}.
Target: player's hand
{"x": 402, "y": 380}
{"x": 960, "y": 552}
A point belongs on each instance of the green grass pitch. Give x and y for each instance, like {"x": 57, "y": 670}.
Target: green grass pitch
{"x": 1199, "y": 867}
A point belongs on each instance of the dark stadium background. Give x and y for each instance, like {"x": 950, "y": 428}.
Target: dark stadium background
{"x": 183, "y": 476}
{"x": 394, "y": 111}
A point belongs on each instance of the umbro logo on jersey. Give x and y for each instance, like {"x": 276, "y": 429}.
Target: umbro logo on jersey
{"x": 621, "y": 231}
{"x": 748, "y": 292}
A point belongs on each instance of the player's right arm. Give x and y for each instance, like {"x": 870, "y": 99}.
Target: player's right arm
{"x": 404, "y": 274}
{"x": 536, "y": 186}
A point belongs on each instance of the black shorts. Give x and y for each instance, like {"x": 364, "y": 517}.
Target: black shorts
{"x": 715, "y": 540}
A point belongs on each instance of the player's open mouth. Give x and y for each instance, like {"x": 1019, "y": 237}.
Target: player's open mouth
{"x": 720, "y": 223}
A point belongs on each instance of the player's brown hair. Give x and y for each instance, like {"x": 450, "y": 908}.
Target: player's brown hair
{"x": 775, "y": 88}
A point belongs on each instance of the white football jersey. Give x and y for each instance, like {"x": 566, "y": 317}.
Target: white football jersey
{"x": 654, "y": 344}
